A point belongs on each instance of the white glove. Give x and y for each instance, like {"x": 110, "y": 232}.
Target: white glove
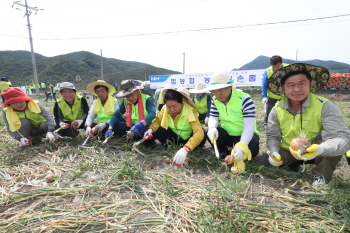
{"x": 273, "y": 162}
{"x": 64, "y": 125}
{"x": 206, "y": 120}
{"x": 237, "y": 154}
{"x": 264, "y": 100}
{"x": 100, "y": 126}
{"x": 180, "y": 157}
{"x": 88, "y": 132}
{"x": 79, "y": 123}
{"x": 25, "y": 142}
{"x": 50, "y": 136}
{"x": 148, "y": 134}
{"x": 213, "y": 133}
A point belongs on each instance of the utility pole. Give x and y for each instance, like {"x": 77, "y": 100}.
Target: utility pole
{"x": 101, "y": 66}
{"x": 28, "y": 13}
{"x": 184, "y": 64}
{"x": 296, "y": 56}
{"x": 145, "y": 74}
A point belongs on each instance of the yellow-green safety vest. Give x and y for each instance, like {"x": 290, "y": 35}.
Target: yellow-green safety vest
{"x": 231, "y": 115}
{"x": 35, "y": 118}
{"x": 104, "y": 117}
{"x": 4, "y": 85}
{"x": 202, "y": 106}
{"x": 290, "y": 125}
{"x": 184, "y": 130}
{"x": 71, "y": 114}
{"x": 42, "y": 85}
{"x": 270, "y": 72}
{"x": 134, "y": 108}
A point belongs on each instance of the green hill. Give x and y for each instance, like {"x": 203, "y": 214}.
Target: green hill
{"x": 262, "y": 62}
{"x": 17, "y": 66}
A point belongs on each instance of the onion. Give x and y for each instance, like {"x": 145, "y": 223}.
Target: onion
{"x": 167, "y": 160}
{"x": 49, "y": 178}
{"x": 234, "y": 169}
{"x": 229, "y": 159}
{"x": 300, "y": 144}
{"x": 94, "y": 131}
{"x": 75, "y": 124}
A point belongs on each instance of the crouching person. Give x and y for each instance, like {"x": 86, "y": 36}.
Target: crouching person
{"x": 236, "y": 112}
{"x": 139, "y": 109}
{"x": 178, "y": 122}
{"x": 70, "y": 111}
{"x": 298, "y": 111}
{"x": 103, "y": 108}
{"x": 25, "y": 118}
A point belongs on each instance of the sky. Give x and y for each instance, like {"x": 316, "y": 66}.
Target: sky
{"x": 215, "y": 35}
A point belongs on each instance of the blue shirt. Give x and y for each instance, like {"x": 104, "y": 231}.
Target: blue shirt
{"x": 208, "y": 101}
{"x": 264, "y": 83}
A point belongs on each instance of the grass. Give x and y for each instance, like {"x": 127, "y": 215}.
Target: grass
{"x": 110, "y": 189}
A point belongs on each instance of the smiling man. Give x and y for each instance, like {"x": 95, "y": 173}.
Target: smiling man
{"x": 236, "y": 112}
{"x": 302, "y": 112}
{"x": 103, "y": 108}
{"x": 70, "y": 110}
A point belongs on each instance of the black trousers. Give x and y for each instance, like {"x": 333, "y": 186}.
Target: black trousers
{"x": 201, "y": 117}
{"x": 225, "y": 140}
{"x": 270, "y": 104}
{"x": 167, "y": 134}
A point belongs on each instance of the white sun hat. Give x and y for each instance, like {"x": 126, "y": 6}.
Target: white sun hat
{"x": 218, "y": 81}
{"x": 200, "y": 88}
{"x": 66, "y": 85}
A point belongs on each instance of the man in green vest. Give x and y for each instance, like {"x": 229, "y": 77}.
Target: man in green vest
{"x": 236, "y": 112}
{"x": 27, "y": 89}
{"x": 53, "y": 91}
{"x": 3, "y": 85}
{"x": 139, "y": 109}
{"x": 70, "y": 110}
{"x": 42, "y": 87}
{"x": 300, "y": 113}
{"x": 202, "y": 99}
{"x": 103, "y": 108}
{"x": 269, "y": 99}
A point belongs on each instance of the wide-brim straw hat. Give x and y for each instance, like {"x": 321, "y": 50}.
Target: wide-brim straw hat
{"x": 90, "y": 88}
{"x": 218, "y": 81}
{"x": 128, "y": 87}
{"x": 66, "y": 85}
{"x": 200, "y": 88}
{"x": 319, "y": 76}
{"x": 14, "y": 95}
{"x": 184, "y": 92}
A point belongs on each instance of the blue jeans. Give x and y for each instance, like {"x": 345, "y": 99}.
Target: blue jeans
{"x": 120, "y": 129}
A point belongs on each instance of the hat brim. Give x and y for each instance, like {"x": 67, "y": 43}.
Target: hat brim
{"x": 125, "y": 93}
{"x": 59, "y": 91}
{"x": 16, "y": 100}
{"x": 90, "y": 88}
{"x": 188, "y": 100}
{"x": 218, "y": 86}
{"x": 319, "y": 76}
{"x": 197, "y": 91}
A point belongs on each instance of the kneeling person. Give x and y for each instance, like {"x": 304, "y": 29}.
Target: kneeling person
{"x": 202, "y": 99}
{"x": 178, "y": 122}
{"x": 70, "y": 110}
{"x": 103, "y": 108}
{"x": 25, "y": 118}
{"x": 236, "y": 111}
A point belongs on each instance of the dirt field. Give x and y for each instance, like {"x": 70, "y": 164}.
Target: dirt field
{"x": 108, "y": 188}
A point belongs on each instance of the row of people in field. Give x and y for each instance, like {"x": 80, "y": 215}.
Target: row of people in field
{"x": 231, "y": 119}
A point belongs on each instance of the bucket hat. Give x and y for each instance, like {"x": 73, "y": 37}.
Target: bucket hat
{"x": 14, "y": 95}
{"x": 319, "y": 76}
{"x": 184, "y": 92}
{"x": 66, "y": 85}
{"x": 128, "y": 87}
{"x": 90, "y": 88}
{"x": 200, "y": 88}
{"x": 218, "y": 81}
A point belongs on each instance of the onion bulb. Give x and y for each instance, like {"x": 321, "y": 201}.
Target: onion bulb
{"x": 229, "y": 159}
{"x": 300, "y": 144}
{"x": 93, "y": 131}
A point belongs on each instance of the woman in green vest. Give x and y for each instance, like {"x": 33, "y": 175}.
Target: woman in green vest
{"x": 139, "y": 109}
{"x": 3, "y": 85}
{"x": 178, "y": 122}
{"x": 103, "y": 108}
{"x": 300, "y": 113}
{"x": 70, "y": 110}
{"x": 236, "y": 112}
{"x": 25, "y": 118}
{"x": 202, "y": 100}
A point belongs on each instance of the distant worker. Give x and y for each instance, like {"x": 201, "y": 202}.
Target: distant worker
{"x": 116, "y": 86}
{"x": 42, "y": 87}
{"x": 202, "y": 99}
{"x": 103, "y": 108}
{"x": 269, "y": 99}
{"x": 3, "y": 85}
{"x": 27, "y": 89}
{"x": 25, "y": 118}
{"x": 53, "y": 91}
